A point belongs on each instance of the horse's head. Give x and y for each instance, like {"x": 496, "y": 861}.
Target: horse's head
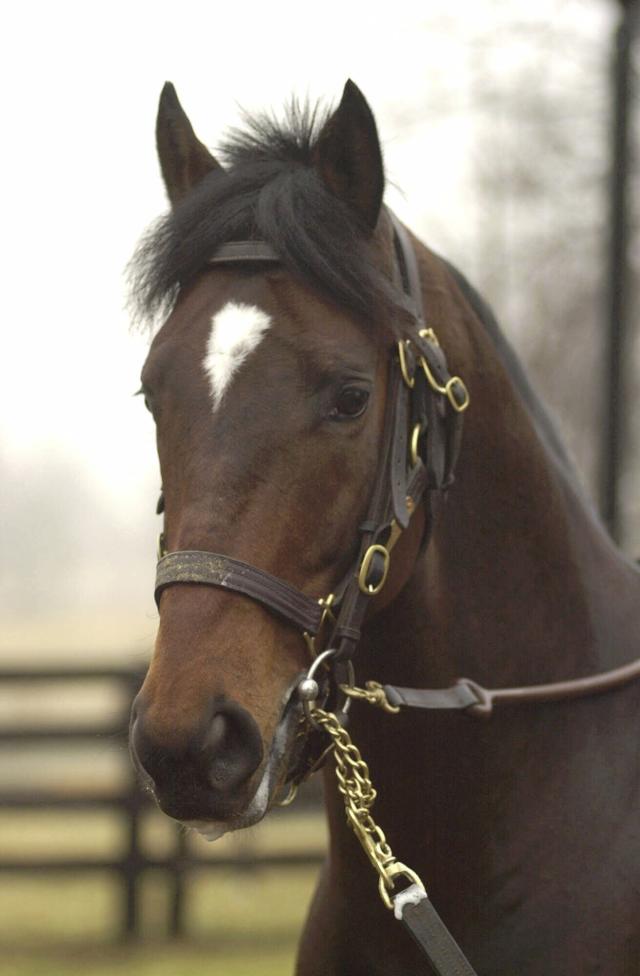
{"x": 267, "y": 383}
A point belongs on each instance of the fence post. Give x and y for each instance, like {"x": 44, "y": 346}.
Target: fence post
{"x": 132, "y": 864}
{"x": 178, "y": 872}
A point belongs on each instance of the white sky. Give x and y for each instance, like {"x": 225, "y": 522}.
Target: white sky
{"x": 80, "y": 84}
{"x": 81, "y": 181}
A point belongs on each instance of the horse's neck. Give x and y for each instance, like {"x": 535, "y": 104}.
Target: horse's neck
{"x": 519, "y": 585}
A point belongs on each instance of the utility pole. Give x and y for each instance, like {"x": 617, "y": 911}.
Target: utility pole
{"x": 622, "y": 90}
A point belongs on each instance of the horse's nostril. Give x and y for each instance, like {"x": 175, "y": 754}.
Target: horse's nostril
{"x": 232, "y": 748}
{"x": 200, "y": 773}
{"x": 215, "y": 734}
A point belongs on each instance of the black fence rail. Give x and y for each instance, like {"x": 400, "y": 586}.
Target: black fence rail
{"x": 126, "y": 800}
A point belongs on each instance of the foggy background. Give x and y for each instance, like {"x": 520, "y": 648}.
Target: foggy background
{"x": 494, "y": 117}
{"x": 495, "y": 120}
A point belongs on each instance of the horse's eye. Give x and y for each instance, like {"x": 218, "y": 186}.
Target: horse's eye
{"x": 351, "y": 403}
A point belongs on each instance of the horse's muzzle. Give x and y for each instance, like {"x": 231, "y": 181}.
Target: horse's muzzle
{"x": 203, "y": 775}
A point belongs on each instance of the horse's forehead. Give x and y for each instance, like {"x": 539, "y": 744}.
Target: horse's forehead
{"x": 235, "y": 332}
{"x": 220, "y": 325}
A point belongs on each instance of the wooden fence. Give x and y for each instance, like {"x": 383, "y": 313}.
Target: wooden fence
{"x": 127, "y": 801}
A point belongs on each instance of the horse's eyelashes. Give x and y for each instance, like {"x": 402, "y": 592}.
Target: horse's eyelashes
{"x": 145, "y": 396}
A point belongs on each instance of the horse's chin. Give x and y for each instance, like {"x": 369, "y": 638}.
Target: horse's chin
{"x": 214, "y": 829}
{"x": 273, "y": 784}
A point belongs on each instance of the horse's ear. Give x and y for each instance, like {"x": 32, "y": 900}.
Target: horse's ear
{"x": 348, "y": 155}
{"x": 184, "y": 160}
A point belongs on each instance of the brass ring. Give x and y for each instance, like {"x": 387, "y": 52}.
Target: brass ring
{"x": 415, "y": 438}
{"x": 433, "y": 383}
{"x": 365, "y": 587}
{"x": 409, "y": 380}
{"x": 386, "y": 880}
{"x": 430, "y": 335}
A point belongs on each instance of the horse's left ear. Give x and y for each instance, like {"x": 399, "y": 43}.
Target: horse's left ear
{"x": 184, "y": 160}
{"x": 348, "y": 156}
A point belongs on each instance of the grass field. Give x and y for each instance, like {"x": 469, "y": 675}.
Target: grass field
{"x": 239, "y": 924}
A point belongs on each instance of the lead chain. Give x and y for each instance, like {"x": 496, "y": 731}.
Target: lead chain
{"x": 354, "y": 783}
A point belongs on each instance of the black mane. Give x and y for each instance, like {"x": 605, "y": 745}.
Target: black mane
{"x": 268, "y": 190}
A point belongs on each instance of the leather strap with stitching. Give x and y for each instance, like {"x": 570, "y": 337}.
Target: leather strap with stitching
{"x": 479, "y": 701}
{"x": 238, "y": 252}
{"x": 212, "y": 569}
{"x": 427, "y": 928}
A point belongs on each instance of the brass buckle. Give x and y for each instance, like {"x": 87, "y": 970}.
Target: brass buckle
{"x": 367, "y": 588}
{"x": 459, "y": 401}
{"x": 458, "y": 405}
{"x": 455, "y": 382}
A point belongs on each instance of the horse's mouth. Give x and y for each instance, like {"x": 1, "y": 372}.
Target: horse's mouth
{"x": 287, "y": 746}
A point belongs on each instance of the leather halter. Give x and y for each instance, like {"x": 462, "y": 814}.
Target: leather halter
{"x": 420, "y": 445}
{"x": 426, "y": 400}
{"x": 406, "y": 473}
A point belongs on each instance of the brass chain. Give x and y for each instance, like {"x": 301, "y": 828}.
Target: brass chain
{"x": 354, "y": 783}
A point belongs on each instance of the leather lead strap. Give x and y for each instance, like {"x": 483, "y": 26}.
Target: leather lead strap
{"x": 479, "y": 701}
{"x": 424, "y": 924}
{"x": 460, "y": 695}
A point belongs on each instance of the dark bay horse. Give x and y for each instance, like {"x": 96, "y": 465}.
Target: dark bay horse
{"x": 269, "y": 383}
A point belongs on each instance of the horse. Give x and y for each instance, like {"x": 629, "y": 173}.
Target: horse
{"x": 288, "y": 314}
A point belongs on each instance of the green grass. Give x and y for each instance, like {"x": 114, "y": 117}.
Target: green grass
{"x": 238, "y": 923}
{"x": 165, "y": 960}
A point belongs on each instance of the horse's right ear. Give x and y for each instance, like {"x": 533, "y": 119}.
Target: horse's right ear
{"x": 184, "y": 160}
